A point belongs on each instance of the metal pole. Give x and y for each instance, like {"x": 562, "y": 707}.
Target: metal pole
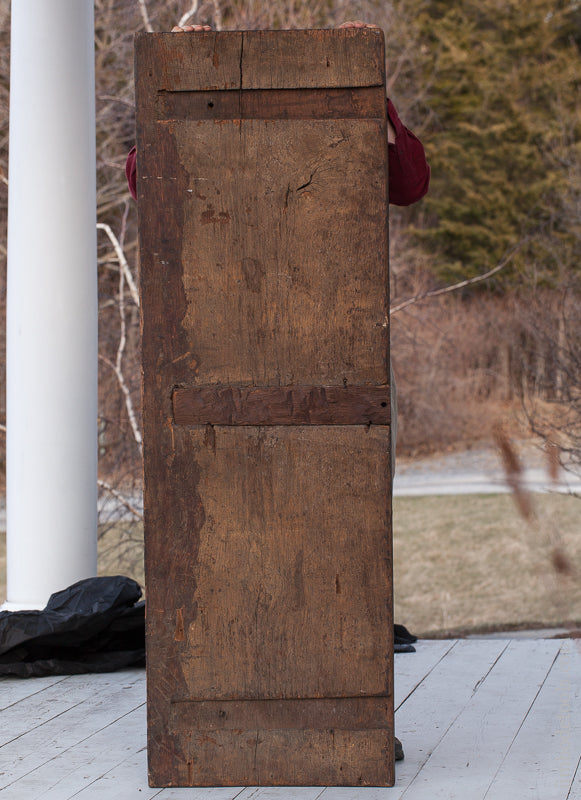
{"x": 51, "y": 302}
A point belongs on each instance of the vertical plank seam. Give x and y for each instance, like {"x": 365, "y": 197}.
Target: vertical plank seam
{"x": 428, "y": 673}
{"x": 574, "y": 779}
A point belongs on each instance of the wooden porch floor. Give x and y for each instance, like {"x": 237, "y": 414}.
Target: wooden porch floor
{"x": 497, "y": 719}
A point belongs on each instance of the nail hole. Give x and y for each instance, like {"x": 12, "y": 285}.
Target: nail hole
{"x": 210, "y": 104}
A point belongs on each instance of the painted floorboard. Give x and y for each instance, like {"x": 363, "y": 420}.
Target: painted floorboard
{"x": 40, "y": 707}
{"x": 128, "y": 780}
{"x": 201, "y": 794}
{"x": 281, "y": 793}
{"x": 543, "y": 758}
{"x": 425, "y": 716}
{"x": 29, "y": 751}
{"x": 431, "y": 711}
{"x": 479, "y": 720}
{"x": 83, "y": 763}
{"x": 60, "y": 698}
{"x": 13, "y": 691}
{"x": 469, "y": 755}
{"x": 124, "y": 781}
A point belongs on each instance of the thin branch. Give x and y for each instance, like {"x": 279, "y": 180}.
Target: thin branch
{"x": 120, "y": 499}
{"x": 123, "y": 265}
{"x": 117, "y": 367}
{"x": 123, "y": 326}
{"x": 185, "y": 18}
{"x": 128, "y": 401}
{"x": 145, "y": 16}
{"x": 217, "y": 16}
{"x": 468, "y": 282}
{"x": 114, "y": 99}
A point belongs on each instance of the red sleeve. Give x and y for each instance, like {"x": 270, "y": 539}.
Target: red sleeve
{"x": 409, "y": 173}
{"x": 131, "y": 171}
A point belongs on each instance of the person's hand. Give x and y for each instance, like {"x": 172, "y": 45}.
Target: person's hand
{"x": 190, "y": 28}
{"x": 358, "y": 24}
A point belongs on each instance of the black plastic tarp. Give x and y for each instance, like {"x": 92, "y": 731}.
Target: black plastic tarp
{"x": 96, "y": 625}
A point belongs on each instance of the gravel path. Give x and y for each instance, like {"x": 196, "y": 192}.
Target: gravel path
{"x": 477, "y": 471}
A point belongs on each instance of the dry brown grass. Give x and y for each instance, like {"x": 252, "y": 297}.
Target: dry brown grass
{"x": 472, "y": 561}
{"x": 120, "y": 551}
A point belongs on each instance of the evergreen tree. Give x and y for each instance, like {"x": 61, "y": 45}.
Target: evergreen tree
{"x": 503, "y": 119}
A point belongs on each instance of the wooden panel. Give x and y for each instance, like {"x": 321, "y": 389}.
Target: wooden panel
{"x": 274, "y": 594}
{"x": 166, "y": 62}
{"x": 289, "y": 405}
{"x": 264, "y": 283}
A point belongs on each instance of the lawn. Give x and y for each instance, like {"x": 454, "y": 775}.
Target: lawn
{"x": 471, "y": 561}
{"x": 464, "y": 562}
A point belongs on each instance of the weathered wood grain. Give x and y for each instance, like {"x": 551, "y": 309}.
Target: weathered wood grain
{"x": 289, "y": 405}
{"x": 296, "y": 713}
{"x": 304, "y": 59}
{"x": 286, "y": 235}
{"x": 365, "y": 103}
{"x": 264, "y": 285}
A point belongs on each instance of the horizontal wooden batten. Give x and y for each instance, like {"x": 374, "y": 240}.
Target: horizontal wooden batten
{"x": 259, "y": 60}
{"x": 309, "y": 714}
{"x": 287, "y": 405}
{"x": 364, "y": 103}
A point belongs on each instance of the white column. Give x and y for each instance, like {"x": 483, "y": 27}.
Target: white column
{"x": 51, "y": 489}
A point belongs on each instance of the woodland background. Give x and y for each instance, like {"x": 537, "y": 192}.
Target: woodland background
{"x": 492, "y": 87}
